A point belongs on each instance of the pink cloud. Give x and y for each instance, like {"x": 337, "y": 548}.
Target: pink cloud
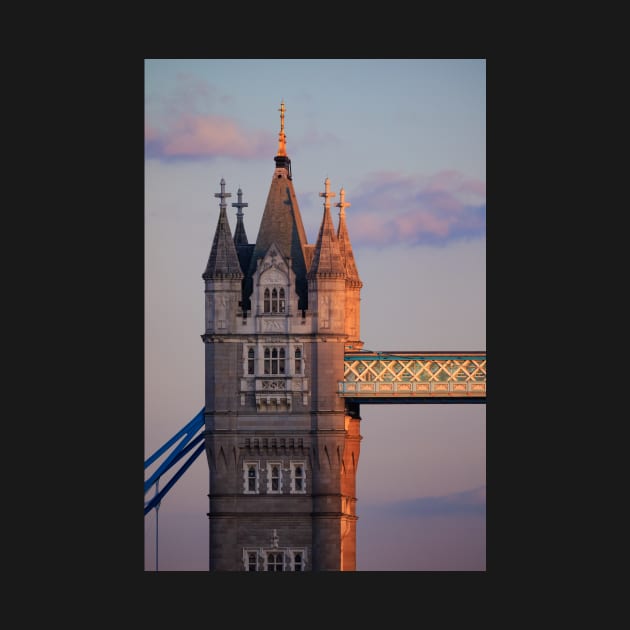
{"x": 207, "y": 136}
{"x": 392, "y": 209}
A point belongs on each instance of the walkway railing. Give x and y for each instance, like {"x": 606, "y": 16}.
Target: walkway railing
{"x": 414, "y": 377}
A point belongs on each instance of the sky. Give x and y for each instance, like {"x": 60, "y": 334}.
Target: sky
{"x": 406, "y": 139}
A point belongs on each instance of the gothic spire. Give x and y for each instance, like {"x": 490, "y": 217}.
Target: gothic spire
{"x": 345, "y": 248}
{"x": 281, "y": 224}
{"x": 327, "y": 259}
{"x": 240, "y": 238}
{"x": 223, "y": 260}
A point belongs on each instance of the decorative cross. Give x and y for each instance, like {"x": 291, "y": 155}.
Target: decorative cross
{"x": 222, "y": 195}
{"x": 342, "y": 205}
{"x": 327, "y": 193}
{"x": 239, "y": 205}
{"x": 282, "y": 110}
{"x": 275, "y": 539}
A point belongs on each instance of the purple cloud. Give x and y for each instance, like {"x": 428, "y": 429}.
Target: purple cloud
{"x": 182, "y": 125}
{"x": 393, "y": 209}
{"x": 467, "y": 502}
{"x": 206, "y": 136}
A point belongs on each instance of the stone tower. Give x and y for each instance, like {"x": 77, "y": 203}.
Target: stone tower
{"x": 282, "y": 448}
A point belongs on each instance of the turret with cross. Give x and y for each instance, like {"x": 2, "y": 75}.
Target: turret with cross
{"x": 327, "y": 194}
{"x": 222, "y": 195}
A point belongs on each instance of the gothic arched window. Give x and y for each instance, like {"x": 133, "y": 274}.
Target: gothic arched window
{"x": 267, "y": 302}
{"x": 250, "y": 361}
{"x": 274, "y": 360}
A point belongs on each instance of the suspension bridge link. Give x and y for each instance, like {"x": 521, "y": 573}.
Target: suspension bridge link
{"x": 189, "y": 436}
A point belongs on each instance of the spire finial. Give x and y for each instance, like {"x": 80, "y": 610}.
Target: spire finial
{"x": 222, "y": 195}
{"x": 343, "y": 204}
{"x": 327, "y": 194}
{"x": 282, "y": 139}
{"x": 239, "y": 204}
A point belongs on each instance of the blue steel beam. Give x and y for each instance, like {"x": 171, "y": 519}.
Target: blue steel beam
{"x": 155, "y": 501}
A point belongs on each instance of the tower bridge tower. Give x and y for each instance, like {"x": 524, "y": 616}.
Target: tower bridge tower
{"x": 282, "y": 448}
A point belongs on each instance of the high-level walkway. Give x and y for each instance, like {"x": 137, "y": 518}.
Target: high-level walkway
{"x": 414, "y": 377}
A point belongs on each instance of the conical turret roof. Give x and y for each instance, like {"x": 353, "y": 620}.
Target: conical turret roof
{"x": 327, "y": 259}
{"x": 345, "y": 248}
{"x": 223, "y": 259}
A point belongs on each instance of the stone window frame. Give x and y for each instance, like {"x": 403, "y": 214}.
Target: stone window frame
{"x": 261, "y": 555}
{"x": 279, "y": 362}
{"x": 293, "y": 465}
{"x": 274, "y": 300}
{"x": 293, "y": 361}
{"x": 247, "y": 466}
{"x": 270, "y": 465}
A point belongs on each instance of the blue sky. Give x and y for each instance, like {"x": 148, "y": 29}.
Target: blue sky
{"x": 406, "y": 139}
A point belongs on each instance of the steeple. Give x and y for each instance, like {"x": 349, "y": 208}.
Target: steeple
{"x": 327, "y": 261}
{"x": 223, "y": 260}
{"x": 282, "y": 159}
{"x": 281, "y": 224}
{"x": 345, "y": 248}
{"x": 240, "y": 238}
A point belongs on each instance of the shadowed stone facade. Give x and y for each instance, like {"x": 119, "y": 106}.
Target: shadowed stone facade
{"x": 282, "y": 448}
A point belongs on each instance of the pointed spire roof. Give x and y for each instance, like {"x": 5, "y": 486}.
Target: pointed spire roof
{"x": 281, "y": 222}
{"x": 345, "y": 248}
{"x": 223, "y": 260}
{"x": 240, "y": 238}
{"x": 327, "y": 259}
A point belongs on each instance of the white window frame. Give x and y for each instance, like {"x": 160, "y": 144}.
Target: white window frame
{"x": 270, "y": 466}
{"x": 270, "y": 362}
{"x": 294, "y": 349}
{"x": 246, "y": 371}
{"x": 293, "y": 465}
{"x": 275, "y": 551}
{"x": 246, "y": 554}
{"x": 292, "y": 553}
{"x": 246, "y": 467}
{"x": 262, "y": 558}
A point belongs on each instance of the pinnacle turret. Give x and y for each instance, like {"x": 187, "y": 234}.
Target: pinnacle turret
{"x": 345, "y": 248}
{"x": 223, "y": 259}
{"x": 327, "y": 259}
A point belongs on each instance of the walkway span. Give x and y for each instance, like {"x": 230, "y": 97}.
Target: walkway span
{"x": 414, "y": 377}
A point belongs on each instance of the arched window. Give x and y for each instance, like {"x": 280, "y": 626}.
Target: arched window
{"x": 267, "y": 302}
{"x": 275, "y": 561}
{"x": 299, "y": 479}
{"x": 298, "y": 361}
{"x": 251, "y": 479}
{"x": 297, "y": 562}
{"x": 281, "y": 301}
{"x": 267, "y": 361}
{"x": 250, "y": 361}
{"x": 275, "y": 478}
{"x": 274, "y": 361}
{"x": 274, "y": 300}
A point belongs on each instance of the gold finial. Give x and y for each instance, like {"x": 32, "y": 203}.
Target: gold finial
{"x": 282, "y": 110}
{"x": 282, "y": 149}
